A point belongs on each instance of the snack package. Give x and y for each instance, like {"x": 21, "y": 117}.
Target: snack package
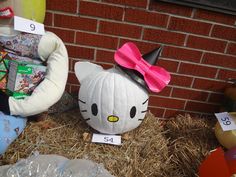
{"x": 23, "y": 78}
{"x": 4, "y": 66}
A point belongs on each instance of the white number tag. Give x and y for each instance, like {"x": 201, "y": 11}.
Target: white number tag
{"x": 28, "y": 26}
{"x": 226, "y": 121}
{"x": 107, "y": 139}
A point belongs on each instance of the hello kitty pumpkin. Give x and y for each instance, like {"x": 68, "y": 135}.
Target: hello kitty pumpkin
{"x": 115, "y": 101}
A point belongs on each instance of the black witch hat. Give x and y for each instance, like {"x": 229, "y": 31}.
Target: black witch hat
{"x": 151, "y": 58}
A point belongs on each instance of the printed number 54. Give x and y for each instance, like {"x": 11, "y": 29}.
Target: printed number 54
{"x": 226, "y": 121}
{"x": 107, "y": 139}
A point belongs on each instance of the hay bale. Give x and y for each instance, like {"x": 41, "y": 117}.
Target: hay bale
{"x": 144, "y": 151}
{"x": 191, "y": 139}
{"x": 173, "y": 150}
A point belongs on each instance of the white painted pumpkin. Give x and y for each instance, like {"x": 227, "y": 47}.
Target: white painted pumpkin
{"x": 109, "y": 100}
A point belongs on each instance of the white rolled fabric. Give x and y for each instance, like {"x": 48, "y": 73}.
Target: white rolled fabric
{"x": 51, "y": 50}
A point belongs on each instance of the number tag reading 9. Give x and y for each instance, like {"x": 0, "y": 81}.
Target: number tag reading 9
{"x": 226, "y": 121}
{"x": 28, "y": 26}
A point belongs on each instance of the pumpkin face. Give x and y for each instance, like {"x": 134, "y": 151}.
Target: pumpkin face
{"x": 110, "y": 101}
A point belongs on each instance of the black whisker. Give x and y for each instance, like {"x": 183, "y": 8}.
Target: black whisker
{"x": 83, "y": 111}
{"x": 82, "y": 101}
{"x": 144, "y": 111}
{"x": 87, "y": 119}
{"x": 145, "y": 101}
{"x": 140, "y": 119}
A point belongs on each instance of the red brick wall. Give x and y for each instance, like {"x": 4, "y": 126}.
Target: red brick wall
{"x": 199, "y": 45}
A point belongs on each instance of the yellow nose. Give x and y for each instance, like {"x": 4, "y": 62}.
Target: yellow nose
{"x": 113, "y": 118}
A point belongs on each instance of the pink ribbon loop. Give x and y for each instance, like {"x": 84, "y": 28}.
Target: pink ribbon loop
{"x": 130, "y": 57}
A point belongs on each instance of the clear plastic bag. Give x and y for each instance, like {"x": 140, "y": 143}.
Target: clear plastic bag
{"x": 38, "y": 166}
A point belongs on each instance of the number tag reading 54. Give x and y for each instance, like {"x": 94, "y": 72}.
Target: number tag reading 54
{"x": 107, "y": 139}
{"x": 226, "y": 121}
{"x": 28, "y": 26}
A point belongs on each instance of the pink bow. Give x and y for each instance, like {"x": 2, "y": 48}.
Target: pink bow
{"x": 130, "y": 57}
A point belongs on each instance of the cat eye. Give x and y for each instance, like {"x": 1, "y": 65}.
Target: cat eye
{"x": 132, "y": 112}
{"x": 94, "y": 109}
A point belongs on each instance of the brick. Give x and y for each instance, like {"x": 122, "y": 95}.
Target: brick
{"x": 48, "y": 19}
{"x": 165, "y": 92}
{"x": 67, "y": 88}
{"x": 169, "y": 113}
{"x": 72, "y": 22}
{"x": 219, "y": 60}
{"x": 74, "y": 89}
{"x": 172, "y": 113}
{"x": 226, "y": 74}
{"x": 224, "y": 32}
{"x": 105, "y": 56}
{"x": 97, "y": 9}
{"x": 80, "y": 52}
{"x": 181, "y": 54}
{"x": 216, "y": 98}
{"x": 178, "y": 80}
{"x": 209, "y": 85}
{"x": 202, "y": 107}
{"x": 164, "y": 36}
{"x": 120, "y": 29}
{"x": 170, "y": 66}
{"x": 170, "y": 8}
{"x": 140, "y": 3}
{"x": 166, "y": 102}
{"x": 158, "y": 112}
{"x": 214, "y": 16}
{"x": 72, "y": 79}
{"x": 146, "y": 18}
{"x": 189, "y": 94}
{"x": 96, "y": 40}
{"x": 71, "y": 65}
{"x": 65, "y": 35}
{"x": 231, "y": 48}
{"x": 61, "y": 5}
{"x": 206, "y": 44}
{"x": 144, "y": 47}
{"x": 189, "y": 26}
{"x": 197, "y": 70}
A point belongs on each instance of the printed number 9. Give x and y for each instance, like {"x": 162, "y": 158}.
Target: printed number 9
{"x": 226, "y": 121}
{"x": 32, "y": 26}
